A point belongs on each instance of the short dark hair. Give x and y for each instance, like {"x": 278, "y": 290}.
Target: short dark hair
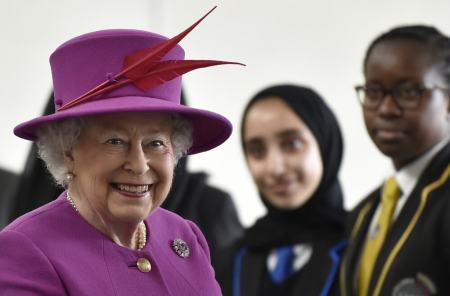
{"x": 438, "y": 43}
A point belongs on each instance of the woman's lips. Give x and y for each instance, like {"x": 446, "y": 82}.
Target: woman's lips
{"x": 282, "y": 188}
{"x": 389, "y": 135}
{"x": 132, "y": 190}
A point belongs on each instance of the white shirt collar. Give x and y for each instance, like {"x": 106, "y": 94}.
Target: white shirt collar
{"x": 408, "y": 176}
{"x": 407, "y": 179}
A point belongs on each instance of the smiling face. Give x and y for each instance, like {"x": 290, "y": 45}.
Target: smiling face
{"x": 123, "y": 166}
{"x": 405, "y": 134}
{"x": 282, "y": 154}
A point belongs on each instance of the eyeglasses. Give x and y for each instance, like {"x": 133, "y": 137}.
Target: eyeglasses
{"x": 405, "y": 96}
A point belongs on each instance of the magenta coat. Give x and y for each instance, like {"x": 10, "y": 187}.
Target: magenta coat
{"x": 54, "y": 251}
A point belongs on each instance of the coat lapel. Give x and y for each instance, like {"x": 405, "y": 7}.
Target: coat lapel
{"x": 357, "y": 235}
{"x": 250, "y": 279}
{"x": 405, "y": 219}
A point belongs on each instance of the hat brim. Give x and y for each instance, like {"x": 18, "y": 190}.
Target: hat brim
{"x": 209, "y": 129}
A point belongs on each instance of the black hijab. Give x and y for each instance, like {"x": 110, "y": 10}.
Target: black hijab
{"x": 324, "y": 210}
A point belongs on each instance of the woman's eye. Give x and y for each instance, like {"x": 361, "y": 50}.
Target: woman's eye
{"x": 256, "y": 152}
{"x": 157, "y": 143}
{"x": 293, "y": 144}
{"x": 115, "y": 141}
{"x": 374, "y": 93}
{"x": 410, "y": 92}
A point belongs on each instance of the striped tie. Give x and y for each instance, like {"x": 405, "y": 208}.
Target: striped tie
{"x": 391, "y": 193}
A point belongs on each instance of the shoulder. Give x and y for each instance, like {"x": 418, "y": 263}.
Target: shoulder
{"x": 41, "y": 219}
{"x": 168, "y": 222}
{"x": 25, "y": 267}
{"x": 433, "y": 186}
{"x": 368, "y": 201}
{"x": 214, "y": 201}
{"x": 166, "y": 218}
{"x": 51, "y": 227}
{"x": 364, "y": 209}
{"x": 173, "y": 237}
{"x": 166, "y": 225}
{"x": 207, "y": 193}
{"x": 435, "y": 179}
{"x": 216, "y": 194}
{"x": 208, "y": 197}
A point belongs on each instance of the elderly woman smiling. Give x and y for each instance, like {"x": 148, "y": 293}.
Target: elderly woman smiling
{"x": 113, "y": 142}
{"x": 116, "y": 186}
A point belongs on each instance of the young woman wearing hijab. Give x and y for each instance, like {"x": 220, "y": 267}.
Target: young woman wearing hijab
{"x": 400, "y": 233}
{"x": 293, "y": 147}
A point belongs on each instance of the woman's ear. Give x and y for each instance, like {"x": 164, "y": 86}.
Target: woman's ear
{"x": 69, "y": 160}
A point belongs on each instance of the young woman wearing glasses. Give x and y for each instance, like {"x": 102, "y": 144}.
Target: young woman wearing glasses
{"x": 399, "y": 243}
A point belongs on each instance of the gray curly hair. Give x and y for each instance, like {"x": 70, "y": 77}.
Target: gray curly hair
{"x": 57, "y": 137}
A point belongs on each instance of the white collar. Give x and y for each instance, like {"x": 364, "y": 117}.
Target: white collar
{"x": 408, "y": 176}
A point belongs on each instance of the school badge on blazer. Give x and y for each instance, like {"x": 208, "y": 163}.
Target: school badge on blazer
{"x": 421, "y": 285}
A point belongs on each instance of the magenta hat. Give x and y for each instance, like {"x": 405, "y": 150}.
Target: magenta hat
{"x": 122, "y": 70}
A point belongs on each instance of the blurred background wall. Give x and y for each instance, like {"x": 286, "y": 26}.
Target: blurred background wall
{"x": 318, "y": 43}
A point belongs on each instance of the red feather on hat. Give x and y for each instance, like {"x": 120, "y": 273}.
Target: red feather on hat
{"x": 146, "y": 70}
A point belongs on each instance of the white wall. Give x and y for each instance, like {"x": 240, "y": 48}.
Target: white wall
{"x": 318, "y": 43}
{"x": 30, "y": 31}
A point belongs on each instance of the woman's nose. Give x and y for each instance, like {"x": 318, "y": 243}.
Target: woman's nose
{"x": 275, "y": 163}
{"x": 137, "y": 161}
{"x": 389, "y": 106}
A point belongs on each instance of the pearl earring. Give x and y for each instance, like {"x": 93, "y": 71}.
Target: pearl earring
{"x": 69, "y": 177}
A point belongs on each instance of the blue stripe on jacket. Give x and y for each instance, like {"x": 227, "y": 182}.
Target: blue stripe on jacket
{"x": 335, "y": 256}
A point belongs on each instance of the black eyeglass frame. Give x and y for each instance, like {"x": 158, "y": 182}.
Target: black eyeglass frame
{"x": 396, "y": 94}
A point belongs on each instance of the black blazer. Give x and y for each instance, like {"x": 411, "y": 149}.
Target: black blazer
{"x": 241, "y": 270}
{"x": 415, "y": 258}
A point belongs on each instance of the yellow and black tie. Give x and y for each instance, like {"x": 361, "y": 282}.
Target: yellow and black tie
{"x": 391, "y": 193}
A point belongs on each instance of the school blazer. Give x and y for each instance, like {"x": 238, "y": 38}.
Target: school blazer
{"x": 415, "y": 257}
